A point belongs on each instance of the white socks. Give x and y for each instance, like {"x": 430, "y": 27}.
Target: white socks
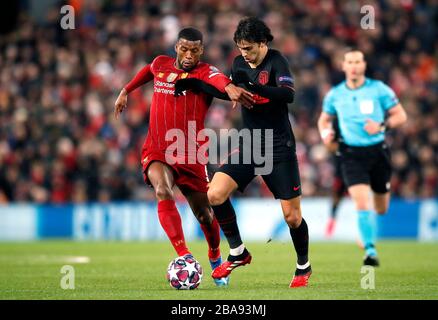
{"x": 237, "y": 251}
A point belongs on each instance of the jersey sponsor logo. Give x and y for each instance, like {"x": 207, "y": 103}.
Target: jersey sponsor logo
{"x": 171, "y": 77}
{"x": 263, "y": 77}
{"x": 366, "y": 106}
{"x": 285, "y": 79}
{"x": 164, "y": 87}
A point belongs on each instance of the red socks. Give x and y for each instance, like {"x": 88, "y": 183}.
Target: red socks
{"x": 171, "y": 222}
{"x": 212, "y": 235}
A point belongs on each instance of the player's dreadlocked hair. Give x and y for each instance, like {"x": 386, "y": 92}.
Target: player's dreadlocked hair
{"x": 252, "y": 29}
{"x": 190, "y": 34}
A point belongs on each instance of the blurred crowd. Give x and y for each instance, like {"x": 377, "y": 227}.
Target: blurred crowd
{"x": 59, "y": 140}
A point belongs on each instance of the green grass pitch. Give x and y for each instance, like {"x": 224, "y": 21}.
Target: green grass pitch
{"x": 136, "y": 270}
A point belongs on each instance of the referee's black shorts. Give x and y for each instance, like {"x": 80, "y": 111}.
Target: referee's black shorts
{"x": 367, "y": 165}
{"x": 283, "y": 181}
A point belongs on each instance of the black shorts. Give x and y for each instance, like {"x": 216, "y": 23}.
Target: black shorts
{"x": 284, "y": 180}
{"x": 367, "y": 165}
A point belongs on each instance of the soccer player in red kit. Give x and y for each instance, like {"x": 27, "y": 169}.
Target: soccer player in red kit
{"x": 170, "y": 112}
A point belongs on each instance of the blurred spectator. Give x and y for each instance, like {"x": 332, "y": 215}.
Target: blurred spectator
{"x": 60, "y": 143}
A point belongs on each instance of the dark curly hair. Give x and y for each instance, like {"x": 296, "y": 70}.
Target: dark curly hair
{"x": 190, "y": 34}
{"x": 252, "y": 29}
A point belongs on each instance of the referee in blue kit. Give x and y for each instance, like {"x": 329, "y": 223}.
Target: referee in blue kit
{"x": 365, "y": 109}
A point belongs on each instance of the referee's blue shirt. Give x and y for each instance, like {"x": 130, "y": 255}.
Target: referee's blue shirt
{"x": 354, "y": 106}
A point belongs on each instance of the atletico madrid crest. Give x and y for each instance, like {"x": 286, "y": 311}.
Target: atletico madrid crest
{"x": 263, "y": 77}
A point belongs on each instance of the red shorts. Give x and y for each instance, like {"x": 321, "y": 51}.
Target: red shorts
{"x": 191, "y": 176}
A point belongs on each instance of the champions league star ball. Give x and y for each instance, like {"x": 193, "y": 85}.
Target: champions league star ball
{"x": 184, "y": 273}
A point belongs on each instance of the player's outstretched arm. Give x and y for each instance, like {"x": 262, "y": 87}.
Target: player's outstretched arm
{"x": 197, "y": 85}
{"x": 283, "y": 93}
{"x": 143, "y": 76}
{"x": 121, "y": 102}
{"x": 239, "y": 95}
{"x": 232, "y": 92}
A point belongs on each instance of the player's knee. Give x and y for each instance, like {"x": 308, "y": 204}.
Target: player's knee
{"x": 216, "y": 197}
{"x": 293, "y": 217}
{"x": 163, "y": 192}
{"x": 204, "y": 216}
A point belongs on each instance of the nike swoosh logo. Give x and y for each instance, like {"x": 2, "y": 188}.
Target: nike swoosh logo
{"x": 296, "y": 188}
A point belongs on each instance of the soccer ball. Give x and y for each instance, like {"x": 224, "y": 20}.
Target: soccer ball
{"x": 184, "y": 273}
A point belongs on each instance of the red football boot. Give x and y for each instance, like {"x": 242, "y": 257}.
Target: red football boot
{"x": 225, "y": 268}
{"x": 300, "y": 280}
{"x": 330, "y": 228}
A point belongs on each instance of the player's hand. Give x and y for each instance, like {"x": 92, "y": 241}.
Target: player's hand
{"x": 240, "y": 76}
{"x": 239, "y": 95}
{"x": 187, "y": 84}
{"x": 121, "y": 103}
{"x": 327, "y": 136}
{"x": 372, "y": 127}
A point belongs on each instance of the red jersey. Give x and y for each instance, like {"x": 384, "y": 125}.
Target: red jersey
{"x": 169, "y": 112}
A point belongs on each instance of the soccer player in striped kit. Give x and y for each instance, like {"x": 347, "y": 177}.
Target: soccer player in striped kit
{"x": 169, "y": 112}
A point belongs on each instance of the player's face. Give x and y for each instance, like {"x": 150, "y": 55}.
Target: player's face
{"x": 188, "y": 53}
{"x": 354, "y": 65}
{"x": 251, "y": 51}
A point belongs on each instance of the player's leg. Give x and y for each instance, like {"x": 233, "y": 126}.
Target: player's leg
{"x": 227, "y": 219}
{"x": 355, "y": 165}
{"x": 380, "y": 177}
{"x": 284, "y": 183}
{"x": 225, "y": 182}
{"x": 162, "y": 179}
{"x": 338, "y": 187}
{"x": 220, "y": 189}
{"x": 198, "y": 202}
{"x": 300, "y": 237}
{"x": 381, "y": 202}
{"x": 224, "y": 212}
{"x": 360, "y": 194}
{"x": 336, "y": 197}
